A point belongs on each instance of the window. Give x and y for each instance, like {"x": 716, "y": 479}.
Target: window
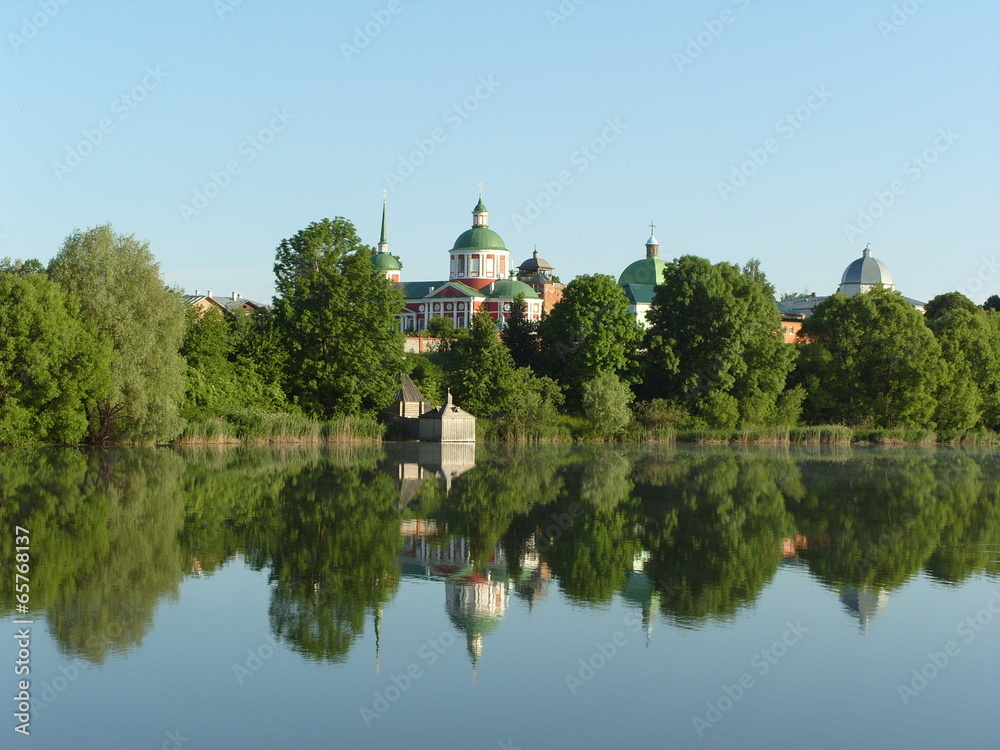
{"x": 503, "y": 265}
{"x": 474, "y": 266}
{"x": 461, "y": 265}
{"x": 489, "y": 265}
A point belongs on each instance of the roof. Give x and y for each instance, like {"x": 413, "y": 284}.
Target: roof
{"x": 480, "y": 208}
{"x": 226, "y": 303}
{"x": 652, "y": 241}
{"x": 424, "y": 289}
{"x": 640, "y": 294}
{"x": 509, "y": 289}
{"x": 408, "y": 390}
{"x": 645, "y": 271}
{"x": 801, "y": 305}
{"x": 448, "y": 411}
{"x": 867, "y": 270}
{"x": 534, "y": 263}
{"x": 479, "y": 238}
{"x": 385, "y": 262}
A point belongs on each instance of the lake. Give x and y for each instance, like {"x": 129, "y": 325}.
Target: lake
{"x": 463, "y": 596}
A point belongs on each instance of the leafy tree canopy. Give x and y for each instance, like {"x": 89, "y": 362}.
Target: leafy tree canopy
{"x": 715, "y": 345}
{"x": 116, "y": 282}
{"x": 336, "y": 318}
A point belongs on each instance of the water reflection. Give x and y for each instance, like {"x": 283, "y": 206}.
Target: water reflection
{"x": 687, "y": 536}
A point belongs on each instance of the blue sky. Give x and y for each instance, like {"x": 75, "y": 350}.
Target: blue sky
{"x": 793, "y": 132}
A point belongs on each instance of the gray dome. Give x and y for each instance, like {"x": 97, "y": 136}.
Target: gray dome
{"x": 864, "y": 273}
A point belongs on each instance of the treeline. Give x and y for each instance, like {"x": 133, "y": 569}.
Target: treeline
{"x": 95, "y": 348}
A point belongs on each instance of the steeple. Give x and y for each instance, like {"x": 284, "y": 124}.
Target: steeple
{"x": 867, "y": 252}
{"x": 383, "y": 244}
{"x": 652, "y": 244}
{"x": 480, "y": 216}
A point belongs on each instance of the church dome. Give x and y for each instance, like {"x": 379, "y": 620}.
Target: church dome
{"x": 534, "y": 264}
{"x": 865, "y": 273}
{"x": 648, "y": 272}
{"x": 509, "y": 289}
{"x": 385, "y": 262}
{"x": 479, "y": 238}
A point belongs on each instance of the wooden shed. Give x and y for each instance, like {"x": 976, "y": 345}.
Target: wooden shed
{"x": 448, "y": 424}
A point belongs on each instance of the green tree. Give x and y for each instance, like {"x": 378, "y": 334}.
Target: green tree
{"x": 53, "y": 365}
{"x": 969, "y": 388}
{"x": 481, "y": 373}
{"x": 116, "y": 282}
{"x": 606, "y": 402}
{"x": 337, "y": 320}
{"x": 870, "y": 360}
{"x": 992, "y": 303}
{"x": 714, "y": 345}
{"x": 18, "y": 266}
{"x": 944, "y": 303}
{"x": 588, "y": 333}
{"x": 519, "y": 334}
{"x": 217, "y": 382}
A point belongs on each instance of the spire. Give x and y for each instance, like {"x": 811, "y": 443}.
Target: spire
{"x": 383, "y": 245}
{"x": 652, "y": 244}
{"x": 867, "y": 252}
{"x": 480, "y": 216}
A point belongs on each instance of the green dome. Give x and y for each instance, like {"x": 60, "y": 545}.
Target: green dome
{"x": 509, "y": 289}
{"x": 385, "y": 262}
{"x": 479, "y": 238}
{"x": 648, "y": 272}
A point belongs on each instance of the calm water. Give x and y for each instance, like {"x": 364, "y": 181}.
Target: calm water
{"x": 483, "y": 597}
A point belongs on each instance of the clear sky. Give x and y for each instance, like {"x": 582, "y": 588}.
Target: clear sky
{"x": 793, "y": 132}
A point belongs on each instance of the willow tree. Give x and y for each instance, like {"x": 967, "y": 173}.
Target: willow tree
{"x": 336, "y": 317}
{"x": 116, "y": 282}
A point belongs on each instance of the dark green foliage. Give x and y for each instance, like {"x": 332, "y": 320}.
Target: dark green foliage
{"x": 714, "y": 344}
{"x": 335, "y": 317}
{"x": 218, "y": 381}
{"x": 54, "y": 367}
{"x": 116, "y": 282}
{"x": 968, "y": 396}
{"x": 481, "y": 373}
{"x": 590, "y": 332}
{"x": 992, "y": 303}
{"x": 944, "y": 303}
{"x": 871, "y": 362}
{"x": 519, "y": 334}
